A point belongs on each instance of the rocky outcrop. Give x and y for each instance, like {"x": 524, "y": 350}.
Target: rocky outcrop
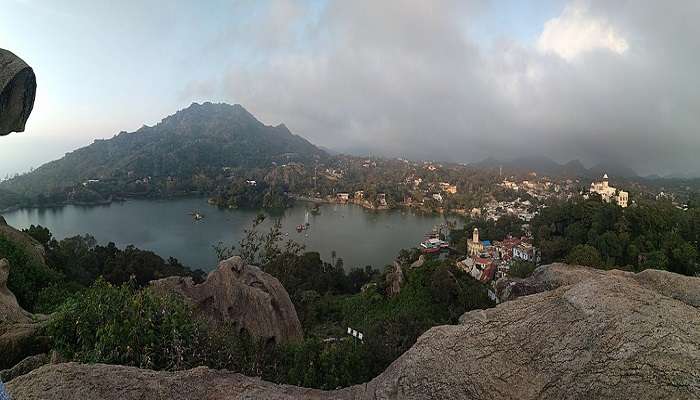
{"x": 242, "y": 295}
{"x": 10, "y": 311}
{"x": 19, "y": 336}
{"x": 17, "y": 92}
{"x": 33, "y": 248}
{"x": 25, "y": 366}
{"x": 594, "y": 335}
{"x": 394, "y": 280}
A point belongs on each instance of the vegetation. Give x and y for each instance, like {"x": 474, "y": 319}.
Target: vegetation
{"x": 75, "y": 263}
{"x": 115, "y": 318}
{"x": 651, "y": 234}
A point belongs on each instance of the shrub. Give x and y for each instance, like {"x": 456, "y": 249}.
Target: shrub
{"x": 122, "y": 325}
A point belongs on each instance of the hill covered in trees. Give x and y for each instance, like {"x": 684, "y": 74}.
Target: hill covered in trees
{"x": 199, "y": 141}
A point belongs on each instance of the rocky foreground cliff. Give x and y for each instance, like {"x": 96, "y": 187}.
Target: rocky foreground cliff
{"x": 589, "y": 334}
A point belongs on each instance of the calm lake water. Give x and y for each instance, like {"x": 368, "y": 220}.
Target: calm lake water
{"x": 358, "y": 236}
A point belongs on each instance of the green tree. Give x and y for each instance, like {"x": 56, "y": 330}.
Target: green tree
{"x": 586, "y": 255}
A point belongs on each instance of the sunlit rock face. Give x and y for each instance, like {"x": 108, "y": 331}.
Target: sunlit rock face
{"x": 588, "y": 334}
{"x": 17, "y": 92}
{"x": 242, "y": 296}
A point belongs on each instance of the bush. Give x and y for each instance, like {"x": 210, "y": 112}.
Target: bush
{"x": 28, "y": 276}
{"x": 121, "y": 325}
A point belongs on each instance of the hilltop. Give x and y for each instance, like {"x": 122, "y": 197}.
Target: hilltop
{"x": 198, "y": 139}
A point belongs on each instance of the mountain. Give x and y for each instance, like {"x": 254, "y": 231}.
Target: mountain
{"x": 201, "y": 137}
{"x": 546, "y": 166}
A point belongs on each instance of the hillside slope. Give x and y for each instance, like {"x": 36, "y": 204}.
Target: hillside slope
{"x": 203, "y": 137}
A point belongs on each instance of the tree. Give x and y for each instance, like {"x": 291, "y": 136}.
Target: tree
{"x": 521, "y": 269}
{"x": 586, "y": 255}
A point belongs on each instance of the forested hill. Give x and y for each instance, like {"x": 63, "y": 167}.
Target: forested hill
{"x": 201, "y": 138}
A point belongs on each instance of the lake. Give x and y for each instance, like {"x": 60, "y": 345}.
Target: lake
{"x": 360, "y": 237}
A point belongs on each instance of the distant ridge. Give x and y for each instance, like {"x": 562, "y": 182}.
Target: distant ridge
{"x": 546, "y": 166}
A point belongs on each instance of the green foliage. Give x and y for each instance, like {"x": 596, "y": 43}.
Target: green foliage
{"x": 521, "y": 268}
{"x": 652, "y": 234}
{"x": 28, "y": 276}
{"x": 584, "y": 254}
{"x": 122, "y": 325}
{"x": 82, "y": 260}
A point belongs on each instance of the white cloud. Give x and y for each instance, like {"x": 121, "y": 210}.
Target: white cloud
{"x": 576, "y": 31}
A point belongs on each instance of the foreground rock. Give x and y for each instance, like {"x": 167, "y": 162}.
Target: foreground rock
{"x": 19, "y": 332}
{"x": 243, "y": 295}
{"x": 17, "y": 92}
{"x": 30, "y": 245}
{"x": 593, "y": 335}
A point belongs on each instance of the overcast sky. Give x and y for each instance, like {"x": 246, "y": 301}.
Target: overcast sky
{"x": 452, "y": 80}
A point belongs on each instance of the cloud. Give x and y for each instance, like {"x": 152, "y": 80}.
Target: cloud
{"x": 576, "y": 32}
{"x": 407, "y": 78}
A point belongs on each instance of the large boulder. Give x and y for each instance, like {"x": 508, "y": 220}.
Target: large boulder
{"x": 243, "y": 296}
{"x": 31, "y": 246}
{"x": 17, "y": 92}
{"x": 598, "y": 335}
{"x": 19, "y": 330}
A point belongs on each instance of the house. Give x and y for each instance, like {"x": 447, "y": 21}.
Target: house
{"x": 342, "y": 197}
{"x": 381, "y": 198}
{"x": 609, "y": 193}
{"x": 251, "y": 182}
{"x": 438, "y": 197}
{"x": 480, "y": 267}
{"x": 446, "y": 187}
{"x": 526, "y": 252}
{"x": 359, "y": 195}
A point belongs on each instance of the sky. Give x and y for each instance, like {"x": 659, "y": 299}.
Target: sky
{"x": 594, "y": 80}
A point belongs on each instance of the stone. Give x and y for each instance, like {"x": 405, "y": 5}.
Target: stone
{"x": 25, "y": 366}
{"x": 19, "y": 330}
{"x": 394, "y": 280}
{"x": 242, "y": 295}
{"x": 33, "y": 248}
{"x": 17, "y": 92}
{"x": 593, "y": 335}
{"x": 10, "y": 310}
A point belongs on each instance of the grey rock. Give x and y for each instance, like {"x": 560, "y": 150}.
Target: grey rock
{"x": 598, "y": 335}
{"x": 394, "y": 280}
{"x": 23, "y": 367}
{"x": 17, "y": 92}
{"x": 243, "y": 295}
{"x": 19, "y": 332}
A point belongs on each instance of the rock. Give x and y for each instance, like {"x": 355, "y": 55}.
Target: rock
{"x": 23, "y": 367}
{"x": 33, "y": 248}
{"x": 19, "y": 336}
{"x": 394, "y": 280}
{"x": 10, "y": 311}
{"x": 419, "y": 262}
{"x": 244, "y": 295}
{"x": 598, "y": 335}
{"x": 17, "y": 92}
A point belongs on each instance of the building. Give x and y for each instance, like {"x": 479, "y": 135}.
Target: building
{"x": 447, "y": 188}
{"x": 526, "y": 252}
{"x": 474, "y": 246}
{"x": 438, "y": 197}
{"x": 381, "y": 198}
{"x": 342, "y": 197}
{"x": 609, "y": 193}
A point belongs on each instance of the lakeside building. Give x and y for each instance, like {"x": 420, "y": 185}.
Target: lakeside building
{"x": 609, "y": 193}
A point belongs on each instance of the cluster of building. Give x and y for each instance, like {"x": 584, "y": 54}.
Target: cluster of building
{"x": 608, "y": 193}
{"x": 487, "y": 261}
{"x": 494, "y": 210}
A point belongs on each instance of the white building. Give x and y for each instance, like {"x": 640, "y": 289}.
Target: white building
{"x": 609, "y": 193}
